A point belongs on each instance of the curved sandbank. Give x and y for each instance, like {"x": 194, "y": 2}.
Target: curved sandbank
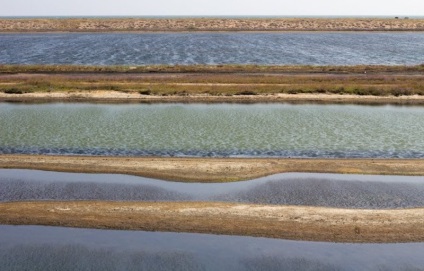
{"x": 286, "y": 222}
{"x": 209, "y": 24}
{"x": 210, "y": 169}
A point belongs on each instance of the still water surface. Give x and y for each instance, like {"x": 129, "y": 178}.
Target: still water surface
{"x": 47, "y": 248}
{"x": 202, "y": 130}
{"x": 311, "y": 189}
{"x": 323, "y": 48}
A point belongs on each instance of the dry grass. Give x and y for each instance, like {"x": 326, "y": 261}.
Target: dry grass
{"x": 227, "y": 68}
{"x": 211, "y": 169}
{"x": 287, "y": 222}
{"x": 212, "y": 24}
{"x": 379, "y": 81}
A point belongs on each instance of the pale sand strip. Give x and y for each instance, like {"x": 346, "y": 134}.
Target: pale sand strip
{"x": 121, "y": 97}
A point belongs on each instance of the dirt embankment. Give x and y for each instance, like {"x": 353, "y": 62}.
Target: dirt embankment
{"x": 210, "y": 169}
{"x": 287, "y": 222}
{"x": 210, "y": 24}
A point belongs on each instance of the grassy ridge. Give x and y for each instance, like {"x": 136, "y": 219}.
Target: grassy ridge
{"x": 222, "y": 80}
{"x": 228, "y": 68}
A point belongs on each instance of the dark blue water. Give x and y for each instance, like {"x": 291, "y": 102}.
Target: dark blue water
{"x": 213, "y": 48}
{"x": 48, "y": 249}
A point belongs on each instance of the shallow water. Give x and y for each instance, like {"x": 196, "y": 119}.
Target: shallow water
{"x": 48, "y": 248}
{"x": 202, "y": 130}
{"x": 311, "y": 189}
{"x": 323, "y": 48}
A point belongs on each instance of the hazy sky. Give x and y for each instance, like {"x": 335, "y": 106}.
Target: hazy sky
{"x": 210, "y": 7}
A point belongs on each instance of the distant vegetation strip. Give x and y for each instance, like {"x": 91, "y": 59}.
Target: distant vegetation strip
{"x": 286, "y": 222}
{"x": 209, "y": 170}
{"x": 225, "y": 68}
{"x": 219, "y": 80}
{"x": 209, "y": 24}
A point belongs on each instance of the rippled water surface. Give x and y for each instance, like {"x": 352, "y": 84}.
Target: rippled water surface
{"x": 312, "y": 189}
{"x": 213, "y": 48}
{"x": 255, "y": 130}
{"x": 47, "y": 248}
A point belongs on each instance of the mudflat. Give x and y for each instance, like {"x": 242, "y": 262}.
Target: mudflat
{"x": 210, "y": 24}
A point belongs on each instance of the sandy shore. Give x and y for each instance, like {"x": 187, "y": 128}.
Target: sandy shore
{"x": 210, "y": 24}
{"x": 286, "y": 222}
{"x": 134, "y": 97}
{"x": 210, "y": 169}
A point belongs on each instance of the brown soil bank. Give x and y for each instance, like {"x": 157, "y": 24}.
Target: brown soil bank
{"x": 206, "y": 24}
{"x": 286, "y": 222}
{"x": 210, "y": 169}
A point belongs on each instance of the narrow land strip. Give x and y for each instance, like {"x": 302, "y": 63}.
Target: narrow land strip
{"x": 287, "y": 222}
{"x": 210, "y": 169}
{"x": 227, "y": 83}
{"x": 116, "y": 97}
{"x": 209, "y": 24}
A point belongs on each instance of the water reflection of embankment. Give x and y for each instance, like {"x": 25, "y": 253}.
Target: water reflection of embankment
{"x": 49, "y": 248}
{"x": 328, "y": 190}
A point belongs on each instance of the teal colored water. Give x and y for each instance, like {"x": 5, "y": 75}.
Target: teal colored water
{"x": 255, "y": 130}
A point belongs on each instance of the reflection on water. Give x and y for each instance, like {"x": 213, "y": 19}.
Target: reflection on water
{"x": 312, "y": 189}
{"x": 256, "y": 130}
{"x": 323, "y": 48}
{"x": 48, "y": 248}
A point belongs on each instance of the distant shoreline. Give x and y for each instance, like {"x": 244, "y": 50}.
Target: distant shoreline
{"x": 112, "y": 24}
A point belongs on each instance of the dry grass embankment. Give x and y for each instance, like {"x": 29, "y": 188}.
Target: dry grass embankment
{"x": 210, "y": 169}
{"x": 214, "y": 83}
{"x": 287, "y": 222}
{"x": 209, "y": 24}
{"x": 227, "y": 68}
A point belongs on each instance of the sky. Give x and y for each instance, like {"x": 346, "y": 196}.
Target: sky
{"x": 211, "y": 7}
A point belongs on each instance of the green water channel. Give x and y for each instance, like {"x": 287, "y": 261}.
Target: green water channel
{"x": 252, "y": 130}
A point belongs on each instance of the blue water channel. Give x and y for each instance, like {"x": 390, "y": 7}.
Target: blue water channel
{"x": 301, "y": 189}
{"x": 48, "y": 249}
{"x": 302, "y": 48}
